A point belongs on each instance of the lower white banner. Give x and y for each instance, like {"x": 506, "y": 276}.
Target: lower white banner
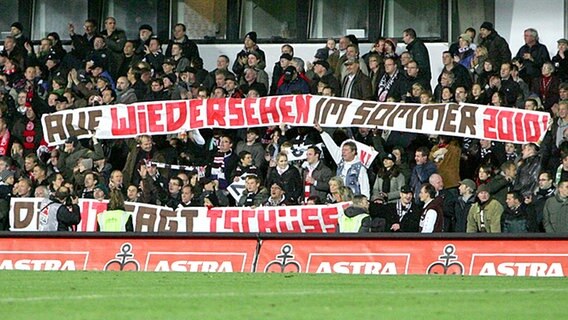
{"x": 24, "y": 214}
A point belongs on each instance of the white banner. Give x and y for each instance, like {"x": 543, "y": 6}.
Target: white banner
{"x": 167, "y": 117}
{"x": 152, "y": 218}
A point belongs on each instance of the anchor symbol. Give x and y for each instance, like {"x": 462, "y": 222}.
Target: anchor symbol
{"x": 448, "y": 263}
{"x": 124, "y": 260}
{"x": 284, "y": 261}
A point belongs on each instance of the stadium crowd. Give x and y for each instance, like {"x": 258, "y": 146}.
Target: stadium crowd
{"x": 417, "y": 183}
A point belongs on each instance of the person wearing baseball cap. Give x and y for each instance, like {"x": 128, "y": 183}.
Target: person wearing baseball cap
{"x": 464, "y": 202}
{"x": 323, "y": 73}
{"x": 402, "y": 215}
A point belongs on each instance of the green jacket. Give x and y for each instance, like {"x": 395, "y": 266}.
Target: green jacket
{"x": 492, "y": 212}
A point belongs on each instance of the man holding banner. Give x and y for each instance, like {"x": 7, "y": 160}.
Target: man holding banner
{"x": 349, "y": 167}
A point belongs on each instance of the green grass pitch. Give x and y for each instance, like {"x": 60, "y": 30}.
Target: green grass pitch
{"x": 147, "y": 295}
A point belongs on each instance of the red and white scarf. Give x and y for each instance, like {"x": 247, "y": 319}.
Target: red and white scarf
{"x": 4, "y": 143}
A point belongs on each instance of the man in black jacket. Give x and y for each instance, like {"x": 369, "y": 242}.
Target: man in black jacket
{"x": 463, "y": 204}
{"x": 400, "y": 216}
{"x": 189, "y": 47}
{"x": 528, "y": 170}
{"x": 496, "y": 45}
{"x": 419, "y": 53}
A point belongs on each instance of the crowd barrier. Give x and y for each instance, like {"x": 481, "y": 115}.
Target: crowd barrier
{"x": 538, "y": 255}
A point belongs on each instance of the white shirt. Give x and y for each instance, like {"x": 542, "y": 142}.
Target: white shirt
{"x": 428, "y": 219}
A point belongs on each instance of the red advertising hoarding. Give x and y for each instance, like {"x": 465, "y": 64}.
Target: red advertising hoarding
{"x": 385, "y": 256}
{"x": 510, "y": 257}
{"x": 124, "y": 254}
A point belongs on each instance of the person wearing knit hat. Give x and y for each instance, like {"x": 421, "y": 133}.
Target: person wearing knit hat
{"x": 485, "y": 214}
{"x": 241, "y": 60}
{"x": 145, "y": 33}
{"x": 251, "y": 36}
{"x": 16, "y": 28}
{"x": 487, "y": 26}
{"x": 497, "y": 46}
{"x": 100, "y": 191}
{"x": 16, "y": 31}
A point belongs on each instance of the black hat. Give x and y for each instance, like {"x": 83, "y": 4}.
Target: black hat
{"x": 189, "y": 69}
{"x": 286, "y": 56}
{"x": 103, "y": 188}
{"x": 534, "y": 145}
{"x": 230, "y": 76}
{"x": 73, "y": 140}
{"x": 97, "y": 64}
{"x": 279, "y": 184}
{"x": 62, "y": 98}
{"x": 487, "y": 25}
{"x": 52, "y": 56}
{"x": 251, "y": 35}
{"x": 290, "y": 70}
{"x": 206, "y": 180}
{"x": 170, "y": 61}
{"x": 18, "y": 25}
{"x": 353, "y": 39}
{"x": 172, "y": 77}
{"x": 406, "y": 189}
{"x": 390, "y": 156}
{"x": 322, "y": 63}
{"x": 322, "y": 54}
{"x": 146, "y": 27}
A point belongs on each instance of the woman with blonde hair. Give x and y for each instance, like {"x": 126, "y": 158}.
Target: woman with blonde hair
{"x": 115, "y": 218}
{"x": 335, "y": 184}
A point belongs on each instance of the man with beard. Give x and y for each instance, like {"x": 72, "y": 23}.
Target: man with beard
{"x": 124, "y": 93}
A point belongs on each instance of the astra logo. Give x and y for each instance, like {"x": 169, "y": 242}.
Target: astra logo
{"x": 358, "y": 263}
{"x": 538, "y": 269}
{"x": 194, "y": 266}
{"x": 533, "y": 265}
{"x": 357, "y": 267}
{"x": 29, "y": 264}
{"x": 43, "y": 260}
{"x": 196, "y": 261}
